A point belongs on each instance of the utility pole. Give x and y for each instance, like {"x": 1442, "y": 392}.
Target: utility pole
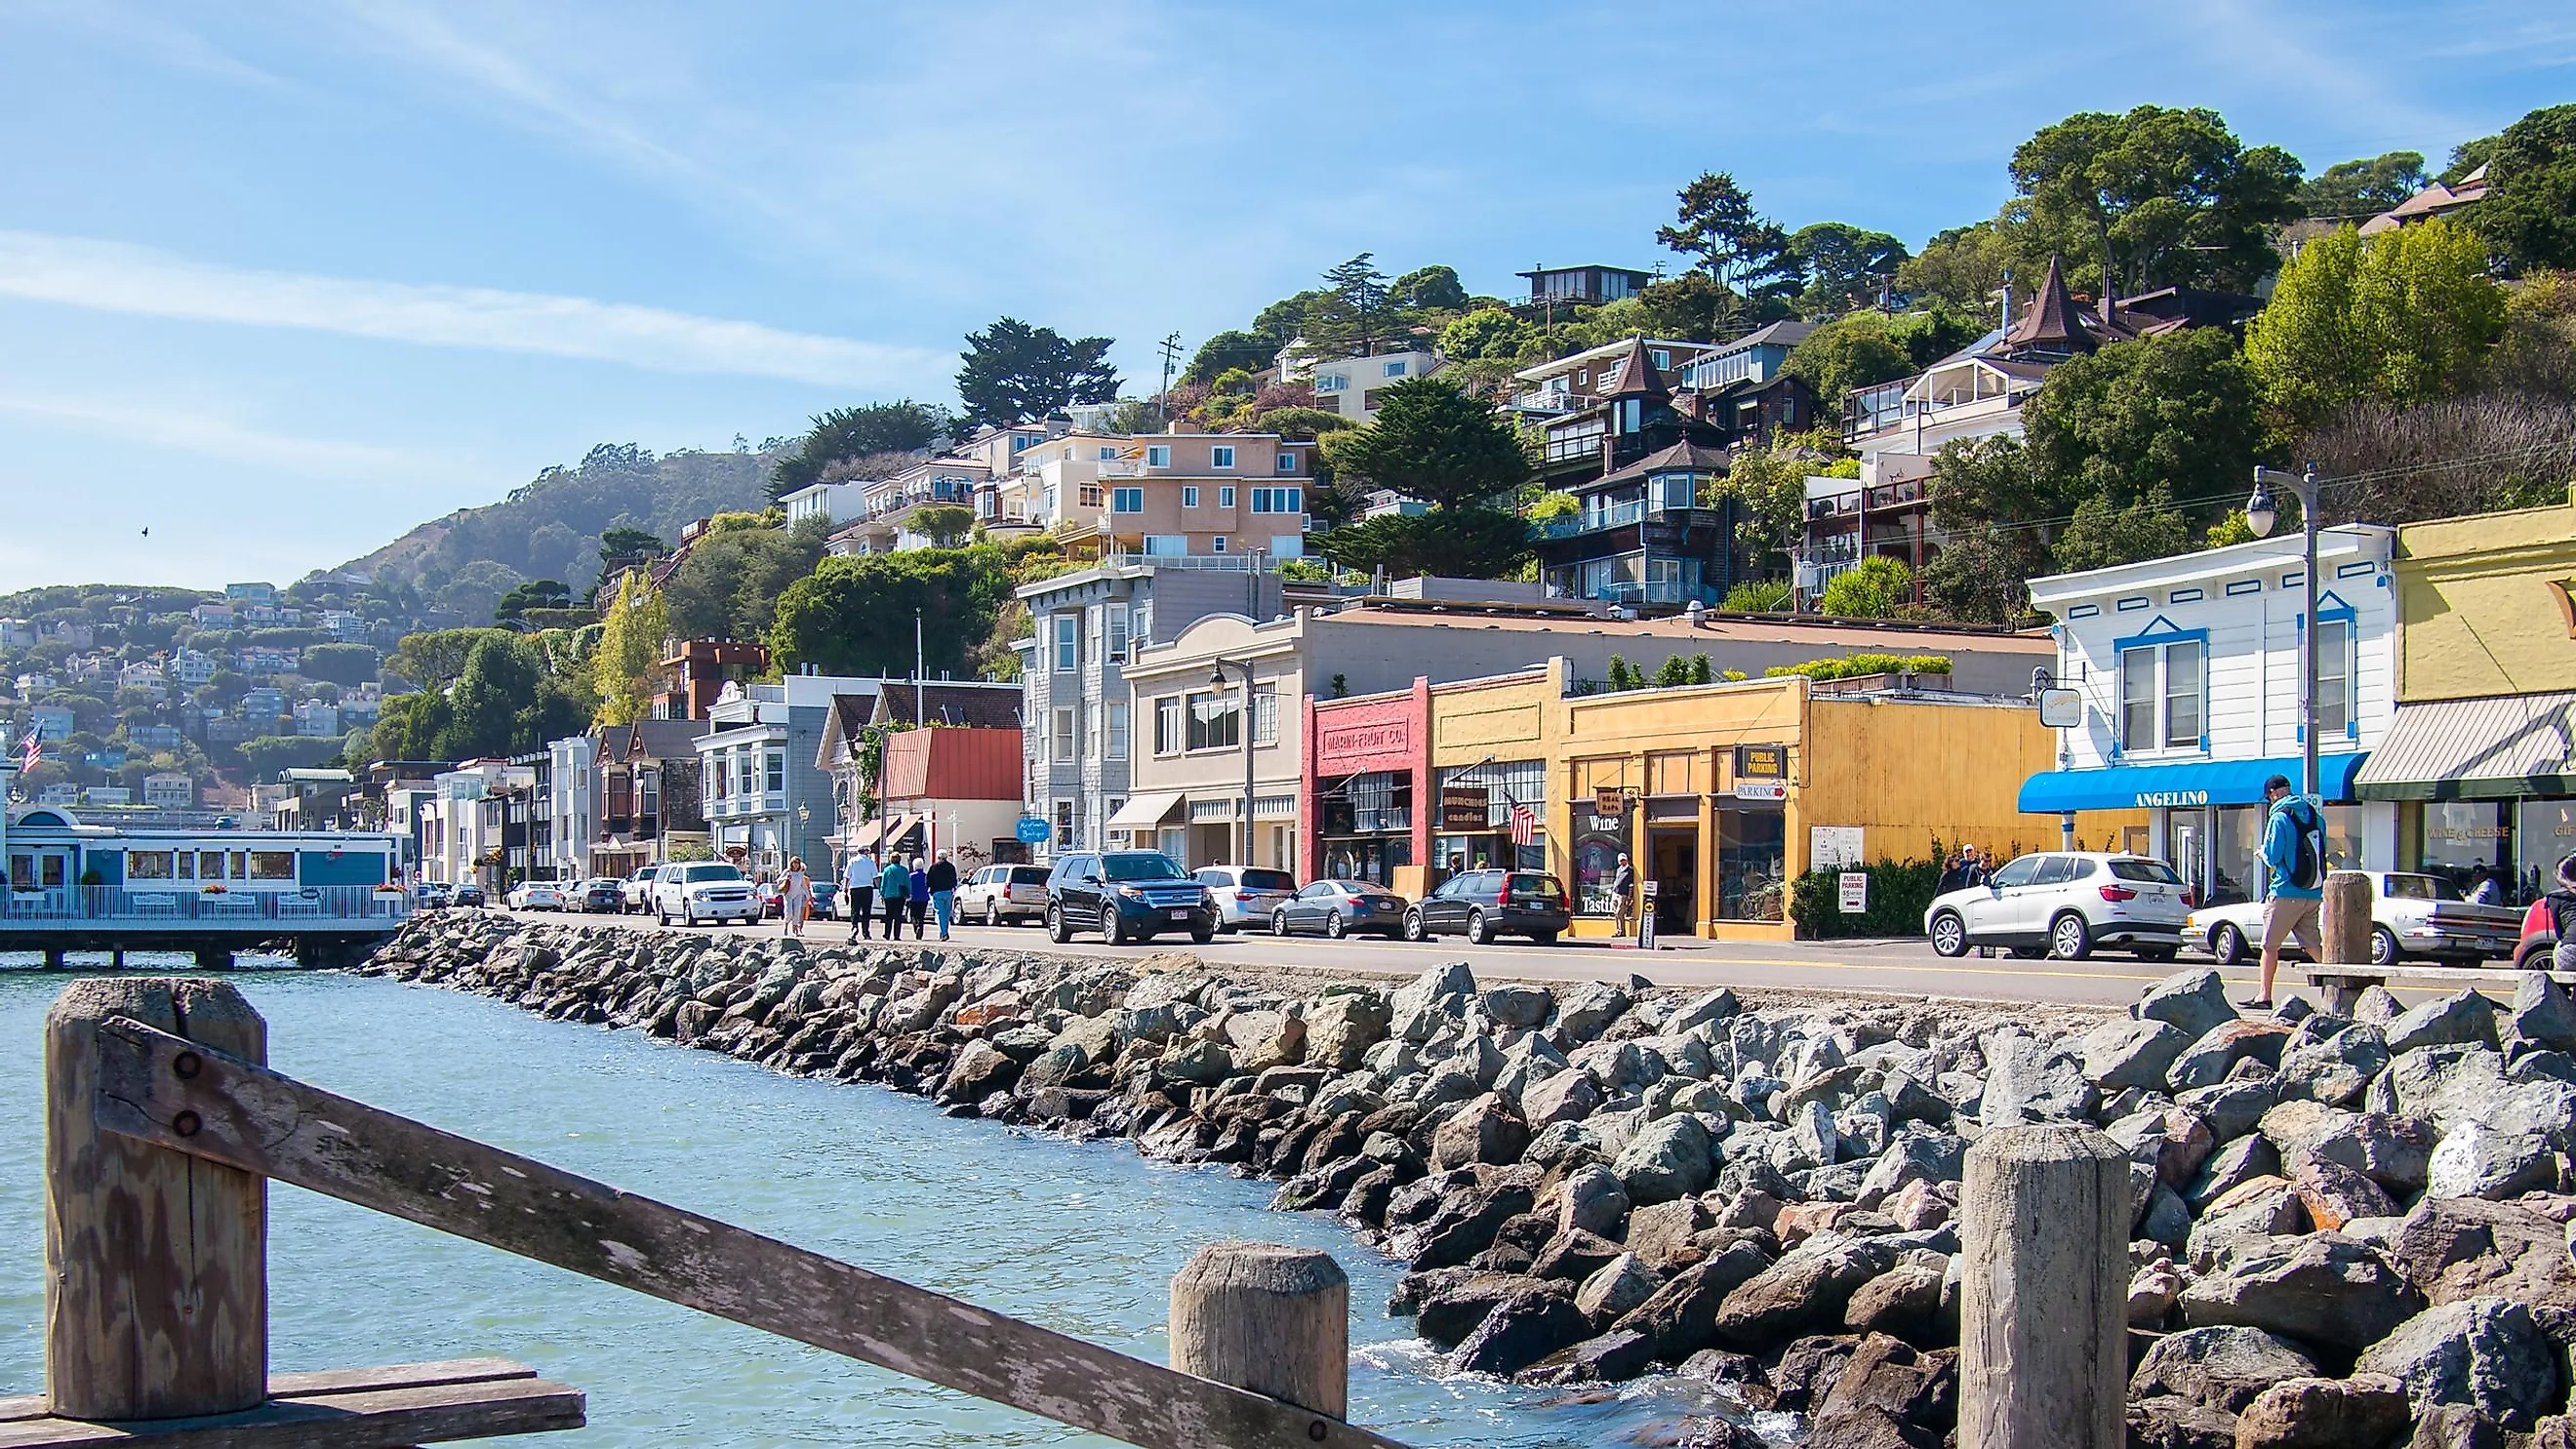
{"x": 1171, "y": 348}
{"x": 918, "y": 670}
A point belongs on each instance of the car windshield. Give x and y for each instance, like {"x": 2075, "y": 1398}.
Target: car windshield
{"x": 710, "y": 872}
{"x": 2146, "y": 870}
{"x": 1269, "y": 880}
{"x": 1141, "y": 865}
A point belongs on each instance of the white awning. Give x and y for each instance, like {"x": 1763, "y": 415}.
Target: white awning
{"x": 1144, "y": 812}
{"x": 865, "y": 837}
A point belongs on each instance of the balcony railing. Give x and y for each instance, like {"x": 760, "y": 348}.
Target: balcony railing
{"x": 181, "y": 903}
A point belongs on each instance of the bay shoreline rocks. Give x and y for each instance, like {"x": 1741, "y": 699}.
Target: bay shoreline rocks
{"x": 2347, "y": 1231}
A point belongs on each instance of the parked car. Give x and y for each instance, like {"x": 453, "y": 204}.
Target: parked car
{"x": 536, "y": 895}
{"x": 467, "y": 894}
{"x": 1126, "y": 895}
{"x": 996, "y": 894}
{"x": 703, "y": 890}
{"x": 2064, "y": 904}
{"x": 766, "y": 892}
{"x": 2410, "y": 915}
{"x": 432, "y": 894}
{"x": 603, "y": 895}
{"x": 2538, "y": 946}
{"x": 636, "y": 891}
{"x": 1245, "y": 894}
{"x": 1481, "y": 904}
{"x": 1339, "y": 907}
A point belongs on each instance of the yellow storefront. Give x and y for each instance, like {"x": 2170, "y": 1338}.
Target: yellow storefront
{"x": 1724, "y": 793}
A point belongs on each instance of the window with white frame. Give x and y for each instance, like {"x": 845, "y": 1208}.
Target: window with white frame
{"x": 1167, "y": 725}
{"x": 2163, "y": 693}
{"x": 1216, "y": 721}
{"x": 1287, "y": 462}
{"x": 1265, "y": 715}
{"x": 1126, "y": 500}
{"x": 1217, "y": 544}
{"x": 1221, "y": 456}
{"x": 2334, "y": 676}
{"x": 1068, "y": 643}
{"x": 1189, "y": 495}
{"x": 1117, "y": 633}
{"x": 1395, "y": 368}
{"x": 1661, "y": 357}
{"x": 1064, "y": 742}
{"x": 1158, "y": 455}
{"x": 775, "y": 770}
{"x": 1108, "y": 453}
{"x": 1116, "y": 737}
{"x": 1332, "y": 382}
{"x": 1225, "y": 495}
{"x": 1278, "y": 500}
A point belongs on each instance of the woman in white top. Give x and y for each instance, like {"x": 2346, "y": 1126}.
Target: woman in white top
{"x": 795, "y": 898}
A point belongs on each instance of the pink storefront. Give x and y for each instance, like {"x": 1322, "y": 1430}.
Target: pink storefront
{"x": 1363, "y": 811}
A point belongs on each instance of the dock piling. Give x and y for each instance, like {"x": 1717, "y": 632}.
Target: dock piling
{"x": 1272, "y": 1319}
{"x": 2043, "y": 1303}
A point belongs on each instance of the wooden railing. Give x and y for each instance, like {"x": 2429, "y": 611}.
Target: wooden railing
{"x": 164, "y": 1128}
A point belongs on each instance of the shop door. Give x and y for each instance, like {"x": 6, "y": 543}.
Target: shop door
{"x": 1674, "y": 859}
{"x": 40, "y": 879}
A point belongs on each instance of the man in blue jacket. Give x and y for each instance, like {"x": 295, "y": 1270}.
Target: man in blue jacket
{"x": 2294, "y": 841}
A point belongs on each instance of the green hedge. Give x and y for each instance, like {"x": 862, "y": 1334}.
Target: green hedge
{"x": 1900, "y": 891}
{"x": 1861, "y": 664}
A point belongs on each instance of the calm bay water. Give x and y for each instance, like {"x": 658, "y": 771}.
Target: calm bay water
{"x": 1082, "y": 1238}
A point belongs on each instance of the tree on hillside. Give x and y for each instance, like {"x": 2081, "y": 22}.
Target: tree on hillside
{"x": 2456, "y": 455}
{"x": 855, "y": 615}
{"x": 2529, "y": 215}
{"x": 1990, "y": 504}
{"x": 946, "y": 525}
{"x": 1964, "y": 266}
{"x": 1282, "y": 321}
{"x": 2357, "y": 190}
{"x": 504, "y": 703}
{"x": 433, "y": 659}
{"x": 1716, "y": 225}
{"x": 2402, "y": 317}
{"x": 1470, "y": 541}
{"x": 632, "y": 637}
{"x": 903, "y": 426}
{"x": 2180, "y": 410}
{"x": 1693, "y": 307}
{"x": 2099, "y": 535}
{"x": 1878, "y": 587}
{"x": 1488, "y": 332}
{"x": 624, "y": 543}
{"x": 1843, "y": 267}
{"x": 1015, "y": 373}
{"x": 1351, "y": 316}
{"x": 1225, "y": 350}
{"x": 513, "y": 608}
{"x": 1846, "y": 353}
{"x": 729, "y": 584}
{"x": 338, "y": 663}
{"x": 2155, "y": 197}
{"x": 1435, "y": 444}
{"x": 1301, "y": 424}
{"x": 1434, "y": 288}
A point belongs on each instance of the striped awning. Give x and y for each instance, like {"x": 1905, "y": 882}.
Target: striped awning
{"x": 2502, "y": 747}
{"x": 864, "y": 837}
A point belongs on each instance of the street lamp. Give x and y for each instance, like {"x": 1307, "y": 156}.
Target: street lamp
{"x": 2261, "y": 513}
{"x": 1216, "y": 681}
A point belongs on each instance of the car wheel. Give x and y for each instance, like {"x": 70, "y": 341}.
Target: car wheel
{"x": 2227, "y": 944}
{"x": 2536, "y": 954}
{"x": 1057, "y": 930}
{"x": 992, "y": 913}
{"x": 1542, "y": 938}
{"x": 1414, "y": 930}
{"x": 2069, "y": 937}
{"x": 1113, "y": 928}
{"x": 1478, "y": 930}
{"x": 661, "y": 918}
{"x": 1203, "y": 935}
{"x": 2384, "y": 950}
{"x": 1336, "y": 927}
{"x": 1279, "y": 923}
{"x": 1949, "y": 935}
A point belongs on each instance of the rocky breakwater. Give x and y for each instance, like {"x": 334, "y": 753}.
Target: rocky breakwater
{"x": 2348, "y": 1232}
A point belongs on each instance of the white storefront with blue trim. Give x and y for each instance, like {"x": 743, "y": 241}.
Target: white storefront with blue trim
{"x": 2189, "y": 672}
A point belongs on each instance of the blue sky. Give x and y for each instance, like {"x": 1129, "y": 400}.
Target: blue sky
{"x": 278, "y": 280}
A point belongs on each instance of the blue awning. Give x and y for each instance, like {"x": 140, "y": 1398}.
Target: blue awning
{"x": 2179, "y": 787}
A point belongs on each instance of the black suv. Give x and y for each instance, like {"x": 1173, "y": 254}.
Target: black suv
{"x": 1484, "y": 903}
{"x": 1126, "y": 895}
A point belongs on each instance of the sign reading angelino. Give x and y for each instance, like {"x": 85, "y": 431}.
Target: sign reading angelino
{"x": 2171, "y": 799}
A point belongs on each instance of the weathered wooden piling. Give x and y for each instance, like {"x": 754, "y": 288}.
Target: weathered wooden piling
{"x": 2043, "y": 1302}
{"x": 156, "y": 1284}
{"x": 1272, "y": 1319}
{"x": 2344, "y": 920}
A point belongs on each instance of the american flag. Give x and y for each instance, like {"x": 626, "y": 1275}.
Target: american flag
{"x": 35, "y": 748}
{"x": 1524, "y": 825}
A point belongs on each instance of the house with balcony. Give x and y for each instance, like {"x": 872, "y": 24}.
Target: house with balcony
{"x": 1642, "y": 540}
{"x": 1739, "y": 390}
{"x": 1573, "y": 383}
{"x": 1635, "y": 415}
{"x": 643, "y": 793}
{"x": 764, "y": 797}
{"x": 1554, "y": 292}
{"x": 1194, "y": 495}
{"x": 1350, "y": 385}
{"x": 883, "y": 511}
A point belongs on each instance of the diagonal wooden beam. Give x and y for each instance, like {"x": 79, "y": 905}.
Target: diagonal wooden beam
{"x": 178, "y": 1094}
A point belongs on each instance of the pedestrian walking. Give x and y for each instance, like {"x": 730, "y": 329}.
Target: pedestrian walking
{"x": 894, "y": 887}
{"x": 859, "y": 886}
{"x": 920, "y": 896}
{"x": 2294, "y": 853}
{"x": 795, "y": 897}
{"x": 1623, "y": 895}
{"x": 2562, "y": 915}
{"x": 943, "y": 891}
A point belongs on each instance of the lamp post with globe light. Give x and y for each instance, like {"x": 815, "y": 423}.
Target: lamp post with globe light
{"x": 2261, "y": 513}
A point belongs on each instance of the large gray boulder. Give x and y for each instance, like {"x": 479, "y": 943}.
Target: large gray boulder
{"x": 2126, "y": 1052}
{"x": 1807, "y": 1291}
{"x": 1592, "y": 1201}
{"x": 1517, "y": 1007}
{"x": 1584, "y": 1012}
{"x": 2453, "y": 1085}
{"x": 2231, "y": 1108}
{"x": 1718, "y": 1005}
{"x": 2210, "y": 1058}
{"x": 1441, "y": 992}
{"x": 1667, "y": 1159}
{"x": 2230, "y": 1166}
{"x": 2487, "y": 1354}
{"x": 2474, "y": 1161}
{"x": 2463, "y": 1018}
{"x": 1681, "y": 1317}
{"x": 2321, "y": 1413}
{"x": 2336, "y": 1069}
{"x": 2220, "y": 1368}
{"x": 2543, "y": 1013}
{"x": 2323, "y": 1289}
{"x": 2034, "y": 1079}
{"x": 1567, "y": 1096}
{"x": 1342, "y": 1027}
{"x": 2191, "y": 1001}
{"x": 2459, "y": 1248}
{"x": 1616, "y": 1288}
{"x": 2394, "y": 1152}
{"x": 1525, "y": 1327}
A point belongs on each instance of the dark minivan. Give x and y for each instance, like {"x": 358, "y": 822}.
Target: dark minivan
{"x": 1482, "y": 904}
{"x": 1127, "y": 895}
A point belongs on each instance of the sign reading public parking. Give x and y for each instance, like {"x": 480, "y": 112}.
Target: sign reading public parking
{"x": 1033, "y": 830}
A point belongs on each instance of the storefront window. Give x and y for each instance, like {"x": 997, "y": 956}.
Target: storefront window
{"x": 2462, "y": 838}
{"x": 2238, "y": 849}
{"x": 2544, "y": 833}
{"x": 1752, "y": 865}
{"x": 1596, "y": 861}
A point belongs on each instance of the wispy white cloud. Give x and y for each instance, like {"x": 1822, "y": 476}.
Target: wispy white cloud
{"x": 116, "y": 277}
{"x": 141, "y": 33}
{"x": 155, "y": 423}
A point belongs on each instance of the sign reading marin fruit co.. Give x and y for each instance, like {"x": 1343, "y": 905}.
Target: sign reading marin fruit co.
{"x": 1367, "y": 739}
{"x": 1034, "y": 830}
{"x": 2171, "y": 799}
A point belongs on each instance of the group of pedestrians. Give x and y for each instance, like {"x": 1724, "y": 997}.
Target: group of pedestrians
{"x": 903, "y": 889}
{"x": 1964, "y": 870}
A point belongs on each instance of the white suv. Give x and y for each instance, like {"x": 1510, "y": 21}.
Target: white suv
{"x": 997, "y": 894}
{"x": 706, "y": 890}
{"x": 2065, "y": 903}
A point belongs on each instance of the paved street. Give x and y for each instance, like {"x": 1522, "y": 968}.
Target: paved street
{"x": 1904, "y": 967}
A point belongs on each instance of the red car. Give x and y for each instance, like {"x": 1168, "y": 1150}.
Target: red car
{"x": 2539, "y": 938}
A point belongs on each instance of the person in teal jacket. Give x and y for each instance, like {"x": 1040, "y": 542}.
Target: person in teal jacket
{"x": 894, "y": 887}
{"x": 2294, "y": 860}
